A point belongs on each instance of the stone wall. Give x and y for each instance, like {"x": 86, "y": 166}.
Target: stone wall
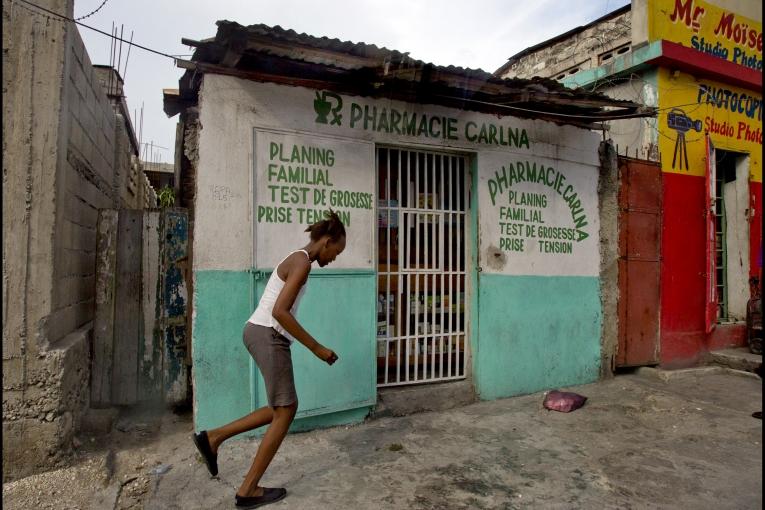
{"x": 598, "y": 44}
{"x": 595, "y": 45}
{"x": 62, "y": 143}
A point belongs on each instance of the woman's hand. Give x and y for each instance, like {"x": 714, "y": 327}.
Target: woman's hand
{"x": 325, "y": 354}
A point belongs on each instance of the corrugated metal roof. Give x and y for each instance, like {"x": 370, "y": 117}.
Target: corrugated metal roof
{"x": 363, "y": 50}
{"x": 264, "y": 53}
{"x": 360, "y": 49}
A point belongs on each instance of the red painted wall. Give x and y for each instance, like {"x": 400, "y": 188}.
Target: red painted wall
{"x": 682, "y": 268}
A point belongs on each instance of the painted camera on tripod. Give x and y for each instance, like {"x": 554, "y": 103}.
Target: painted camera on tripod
{"x": 680, "y": 122}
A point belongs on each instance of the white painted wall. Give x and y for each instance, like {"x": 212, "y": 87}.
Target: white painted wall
{"x": 642, "y": 133}
{"x": 223, "y": 216}
{"x": 531, "y": 246}
{"x": 235, "y": 114}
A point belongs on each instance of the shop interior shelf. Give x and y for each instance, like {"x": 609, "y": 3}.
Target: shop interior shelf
{"x": 410, "y": 361}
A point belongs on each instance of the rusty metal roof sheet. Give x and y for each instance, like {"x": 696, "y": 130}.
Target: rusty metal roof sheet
{"x": 264, "y": 53}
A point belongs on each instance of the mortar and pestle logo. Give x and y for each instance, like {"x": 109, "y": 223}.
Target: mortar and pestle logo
{"x": 323, "y": 105}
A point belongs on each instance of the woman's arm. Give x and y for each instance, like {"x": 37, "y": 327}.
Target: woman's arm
{"x": 297, "y": 274}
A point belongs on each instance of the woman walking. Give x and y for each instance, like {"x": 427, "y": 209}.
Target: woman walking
{"x": 268, "y": 335}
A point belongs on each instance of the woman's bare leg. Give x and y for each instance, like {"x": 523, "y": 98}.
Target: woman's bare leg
{"x": 255, "y": 419}
{"x": 282, "y": 418}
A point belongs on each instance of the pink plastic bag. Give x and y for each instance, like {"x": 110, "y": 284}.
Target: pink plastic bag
{"x": 563, "y": 401}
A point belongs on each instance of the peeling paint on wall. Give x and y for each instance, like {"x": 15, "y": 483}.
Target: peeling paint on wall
{"x": 174, "y": 305}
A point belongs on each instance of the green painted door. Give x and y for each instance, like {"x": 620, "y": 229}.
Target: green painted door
{"x": 338, "y": 309}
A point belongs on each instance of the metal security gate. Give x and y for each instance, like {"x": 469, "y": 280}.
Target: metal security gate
{"x": 421, "y": 295}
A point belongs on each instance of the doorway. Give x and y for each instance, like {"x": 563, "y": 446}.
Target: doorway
{"x": 731, "y": 209}
{"x": 421, "y": 298}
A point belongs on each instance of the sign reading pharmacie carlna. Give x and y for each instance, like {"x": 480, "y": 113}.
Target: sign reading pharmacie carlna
{"x": 386, "y": 121}
{"x": 389, "y": 119}
{"x": 538, "y": 216}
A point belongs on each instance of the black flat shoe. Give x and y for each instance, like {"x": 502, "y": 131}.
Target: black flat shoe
{"x": 202, "y": 443}
{"x": 269, "y": 496}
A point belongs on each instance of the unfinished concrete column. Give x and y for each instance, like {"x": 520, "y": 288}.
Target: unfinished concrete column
{"x": 608, "y": 205}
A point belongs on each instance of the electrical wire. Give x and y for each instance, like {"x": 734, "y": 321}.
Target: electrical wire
{"x": 60, "y": 17}
{"x": 634, "y": 78}
{"x": 527, "y": 110}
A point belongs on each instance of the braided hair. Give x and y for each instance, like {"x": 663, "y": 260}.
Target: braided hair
{"x": 332, "y": 226}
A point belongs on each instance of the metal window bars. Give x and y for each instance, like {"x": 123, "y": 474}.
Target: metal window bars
{"x": 421, "y": 271}
{"x": 721, "y": 262}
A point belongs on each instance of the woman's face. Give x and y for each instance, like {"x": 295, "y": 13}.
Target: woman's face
{"x": 330, "y": 251}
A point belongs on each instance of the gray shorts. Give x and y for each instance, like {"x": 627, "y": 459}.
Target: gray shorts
{"x": 271, "y": 352}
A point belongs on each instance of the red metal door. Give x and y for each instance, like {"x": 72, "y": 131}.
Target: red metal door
{"x": 640, "y": 216}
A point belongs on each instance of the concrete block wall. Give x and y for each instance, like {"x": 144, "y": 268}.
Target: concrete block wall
{"x": 85, "y": 184}
{"x": 126, "y": 178}
{"x": 125, "y": 172}
{"x": 59, "y": 153}
{"x": 148, "y": 194}
{"x": 584, "y": 50}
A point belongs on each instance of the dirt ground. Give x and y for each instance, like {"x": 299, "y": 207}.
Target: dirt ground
{"x": 640, "y": 441}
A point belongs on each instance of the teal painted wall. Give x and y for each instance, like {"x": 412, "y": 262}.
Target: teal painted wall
{"x": 636, "y": 61}
{"x": 220, "y": 362}
{"x": 536, "y": 333}
{"x": 338, "y": 309}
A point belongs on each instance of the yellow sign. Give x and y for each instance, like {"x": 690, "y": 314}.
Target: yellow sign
{"x": 689, "y": 107}
{"x": 707, "y": 28}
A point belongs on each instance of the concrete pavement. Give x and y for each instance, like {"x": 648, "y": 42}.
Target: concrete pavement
{"x": 644, "y": 440}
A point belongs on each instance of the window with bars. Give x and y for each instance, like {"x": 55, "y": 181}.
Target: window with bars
{"x": 421, "y": 309}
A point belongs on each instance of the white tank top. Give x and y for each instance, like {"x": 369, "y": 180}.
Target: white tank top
{"x": 262, "y": 315}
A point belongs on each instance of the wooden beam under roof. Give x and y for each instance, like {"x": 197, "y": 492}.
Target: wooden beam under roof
{"x": 265, "y": 54}
{"x": 344, "y": 82}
